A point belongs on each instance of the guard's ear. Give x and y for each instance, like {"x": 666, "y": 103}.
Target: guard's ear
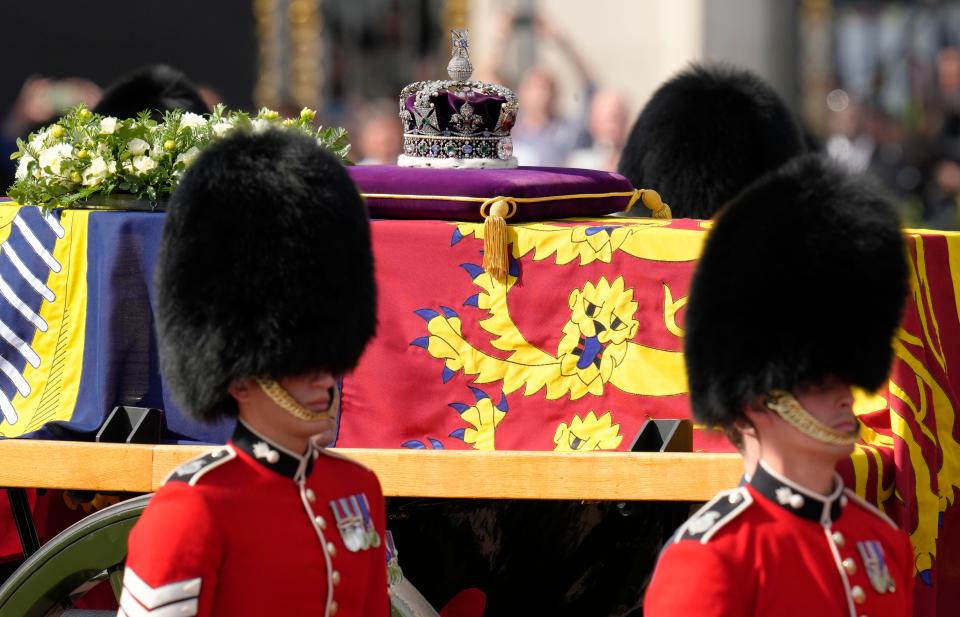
{"x": 746, "y": 427}
{"x": 240, "y": 389}
{"x": 756, "y": 415}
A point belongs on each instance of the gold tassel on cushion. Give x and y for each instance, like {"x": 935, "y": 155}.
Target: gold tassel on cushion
{"x": 496, "y": 260}
{"x": 651, "y": 199}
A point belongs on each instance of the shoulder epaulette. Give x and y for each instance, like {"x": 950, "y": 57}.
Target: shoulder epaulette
{"x": 191, "y": 471}
{"x": 869, "y": 507}
{"x": 714, "y": 515}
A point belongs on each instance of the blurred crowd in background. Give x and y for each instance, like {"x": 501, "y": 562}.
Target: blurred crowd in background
{"x": 893, "y": 109}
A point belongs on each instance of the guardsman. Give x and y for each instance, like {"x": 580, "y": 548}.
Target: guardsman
{"x": 265, "y": 296}
{"x": 795, "y": 300}
{"x": 705, "y": 135}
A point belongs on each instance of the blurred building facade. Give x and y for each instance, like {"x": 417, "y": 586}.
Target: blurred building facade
{"x": 875, "y": 82}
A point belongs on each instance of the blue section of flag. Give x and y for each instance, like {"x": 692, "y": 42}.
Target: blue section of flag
{"x": 120, "y": 359}
{"x": 514, "y": 267}
{"x": 473, "y": 270}
{"x": 426, "y": 314}
{"x": 478, "y": 394}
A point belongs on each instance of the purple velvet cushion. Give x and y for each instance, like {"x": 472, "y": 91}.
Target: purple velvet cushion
{"x": 519, "y": 183}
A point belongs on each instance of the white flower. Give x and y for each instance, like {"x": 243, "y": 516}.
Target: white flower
{"x": 140, "y": 165}
{"x": 143, "y": 164}
{"x": 222, "y": 128}
{"x": 37, "y": 142}
{"x": 25, "y": 161}
{"x": 53, "y": 156}
{"x": 187, "y": 157}
{"x": 191, "y": 120}
{"x": 108, "y": 125}
{"x": 96, "y": 171}
{"x": 260, "y": 125}
{"x": 137, "y": 146}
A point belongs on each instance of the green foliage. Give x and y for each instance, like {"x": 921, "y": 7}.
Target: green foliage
{"x": 85, "y": 155}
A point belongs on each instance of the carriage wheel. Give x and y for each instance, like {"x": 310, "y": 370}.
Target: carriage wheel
{"x": 73, "y": 562}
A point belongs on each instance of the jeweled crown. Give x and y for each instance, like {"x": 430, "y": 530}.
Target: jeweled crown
{"x": 458, "y": 122}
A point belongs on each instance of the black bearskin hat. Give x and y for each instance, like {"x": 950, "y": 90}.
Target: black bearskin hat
{"x": 156, "y": 88}
{"x": 265, "y": 269}
{"x": 705, "y": 135}
{"x": 802, "y": 278}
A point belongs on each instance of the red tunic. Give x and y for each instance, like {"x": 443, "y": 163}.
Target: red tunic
{"x": 252, "y": 529}
{"x": 773, "y": 548}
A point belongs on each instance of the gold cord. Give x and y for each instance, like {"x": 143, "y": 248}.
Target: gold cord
{"x": 511, "y": 201}
{"x": 495, "y": 211}
{"x": 651, "y": 199}
{"x": 789, "y": 408}
{"x": 282, "y": 398}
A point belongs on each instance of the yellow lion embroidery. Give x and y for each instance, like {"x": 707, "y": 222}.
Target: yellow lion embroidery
{"x": 589, "y": 433}
{"x": 595, "y": 339}
{"x": 483, "y": 418}
{"x": 595, "y": 349}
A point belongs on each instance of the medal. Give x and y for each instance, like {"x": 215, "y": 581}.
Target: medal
{"x": 349, "y": 524}
{"x": 354, "y": 522}
{"x": 874, "y": 562}
{"x": 370, "y": 530}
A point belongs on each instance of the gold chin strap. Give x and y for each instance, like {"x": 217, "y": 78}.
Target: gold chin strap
{"x": 792, "y": 412}
{"x": 282, "y": 398}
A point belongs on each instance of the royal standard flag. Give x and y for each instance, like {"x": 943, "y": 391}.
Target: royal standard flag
{"x": 572, "y": 352}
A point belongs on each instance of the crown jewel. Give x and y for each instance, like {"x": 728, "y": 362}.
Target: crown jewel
{"x": 460, "y": 68}
{"x": 457, "y": 123}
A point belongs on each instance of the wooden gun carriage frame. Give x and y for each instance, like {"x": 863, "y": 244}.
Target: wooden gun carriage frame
{"x": 69, "y": 566}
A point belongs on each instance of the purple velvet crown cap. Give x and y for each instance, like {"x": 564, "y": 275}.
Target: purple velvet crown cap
{"x": 457, "y": 123}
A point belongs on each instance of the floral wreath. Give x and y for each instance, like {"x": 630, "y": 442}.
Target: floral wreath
{"x": 85, "y": 154}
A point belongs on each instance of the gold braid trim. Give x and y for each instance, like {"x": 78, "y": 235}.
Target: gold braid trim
{"x": 789, "y": 408}
{"x": 496, "y": 210}
{"x": 650, "y": 199}
{"x": 282, "y": 398}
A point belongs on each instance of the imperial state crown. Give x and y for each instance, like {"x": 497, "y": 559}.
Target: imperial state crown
{"x": 457, "y": 123}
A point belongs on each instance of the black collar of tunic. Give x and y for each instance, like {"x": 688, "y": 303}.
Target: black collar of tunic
{"x": 802, "y": 502}
{"x": 271, "y": 455}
